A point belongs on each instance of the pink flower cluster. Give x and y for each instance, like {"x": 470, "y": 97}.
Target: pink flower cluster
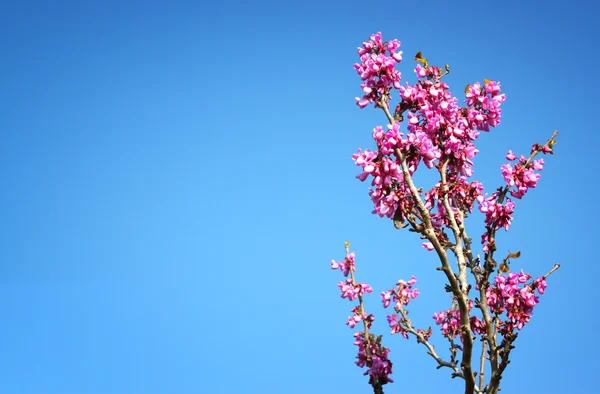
{"x": 345, "y": 266}
{"x": 512, "y": 295}
{"x": 377, "y": 69}
{"x": 487, "y": 106}
{"x": 389, "y": 190}
{"x": 496, "y": 214}
{"x": 519, "y": 179}
{"x": 358, "y": 317}
{"x": 449, "y": 321}
{"x": 438, "y": 132}
{"x": 373, "y": 355}
{"x": 401, "y": 296}
{"x": 441, "y": 129}
{"x": 461, "y": 197}
{"x": 522, "y": 176}
{"x": 349, "y": 289}
{"x": 381, "y": 367}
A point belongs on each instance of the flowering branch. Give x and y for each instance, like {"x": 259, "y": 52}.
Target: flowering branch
{"x": 422, "y": 337}
{"x": 441, "y": 134}
{"x": 509, "y": 338}
{"x": 370, "y": 351}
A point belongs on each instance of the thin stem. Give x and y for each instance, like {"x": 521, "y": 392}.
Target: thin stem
{"x": 556, "y": 266}
{"x": 430, "y": 348}
{"x": 377, "y": 386}
{"x": 482, "y": 364}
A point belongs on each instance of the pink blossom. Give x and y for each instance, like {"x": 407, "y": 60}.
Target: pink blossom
{"x": 523, "y": 176}
{"x": 377, "y": 69}
{"x": 496, "y": 215}
{"x": 345, "y": 266}
{"x": 449, "y": 322}
{"x": 386, "y": 297}
{"x": 541, "y": 285}
{"x": 353, "y": 320}
{"x": 380, "y": 366}
{"x": 401, "y": 294}
{"x": 514, "y": 297}
{"x": 428, "y": 246}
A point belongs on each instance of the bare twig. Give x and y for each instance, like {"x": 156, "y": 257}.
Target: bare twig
{"x": 408, "y": 327}
{"x": 556, "y": 266}
{"x": 482, "y": 364}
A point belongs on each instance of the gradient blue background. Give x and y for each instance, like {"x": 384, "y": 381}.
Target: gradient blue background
{"x": 176, "y": 178}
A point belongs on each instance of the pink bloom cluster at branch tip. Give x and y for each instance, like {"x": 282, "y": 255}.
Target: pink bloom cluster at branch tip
{"x": 514, "y": 296}
{"x": 400, "y": 296}
{"x": 370, "y": 353}
{"x": 377, "y": 69}
{"x": 345, "y": 266}
{"x": 439, "y": 134}
{"x": 522, "y": 176}
{"x": 349, "y": 289}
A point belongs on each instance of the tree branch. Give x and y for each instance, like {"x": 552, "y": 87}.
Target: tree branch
{"x": 429, "y": 232}
{"x": 482, "y": 364}
{"x": 430, "y": 348}
{"x": 463, "y": 296}
{"x": 377, "y": 386}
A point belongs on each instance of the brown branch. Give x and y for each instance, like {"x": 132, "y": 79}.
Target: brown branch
{"x": 504, "y": 349}
{"x": 482, "y": 282}
{"x": 556, "y": 266}
{"x": 463, "y": 296}
{"x": 482, "y": 364}
{"x": 408, "y": 327}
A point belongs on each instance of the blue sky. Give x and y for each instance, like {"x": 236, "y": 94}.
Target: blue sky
{"x": 176, "y": 178}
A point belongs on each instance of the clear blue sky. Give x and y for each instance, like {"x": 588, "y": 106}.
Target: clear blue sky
{"x": 176, "y": 178}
